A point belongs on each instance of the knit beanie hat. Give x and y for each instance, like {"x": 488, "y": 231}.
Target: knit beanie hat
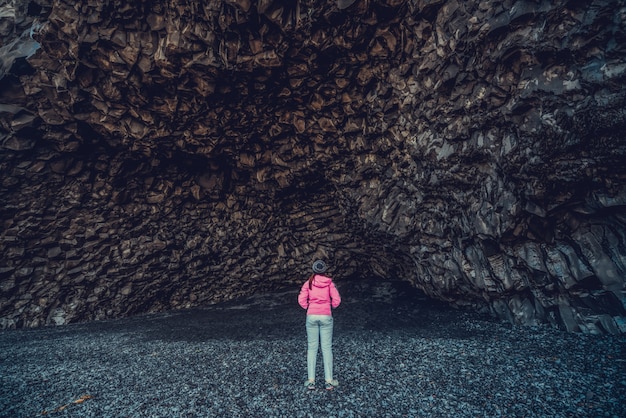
{"x": 319, "y": 266}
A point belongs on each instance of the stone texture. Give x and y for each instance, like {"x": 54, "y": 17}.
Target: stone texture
{"x": 161, "y": 155}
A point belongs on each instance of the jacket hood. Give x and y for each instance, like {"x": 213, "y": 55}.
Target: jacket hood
{"x": 321, "y": 281}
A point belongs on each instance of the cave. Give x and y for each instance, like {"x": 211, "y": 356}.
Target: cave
{"x": 165, "y": 155}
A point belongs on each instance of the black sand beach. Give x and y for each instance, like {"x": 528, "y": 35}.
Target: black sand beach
{"x": 395, "y": 356}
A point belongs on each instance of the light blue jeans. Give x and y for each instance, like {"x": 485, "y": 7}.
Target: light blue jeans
{"x": 319, "y": 330}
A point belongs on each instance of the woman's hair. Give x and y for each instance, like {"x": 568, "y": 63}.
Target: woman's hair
{"x": 311, "y": 281}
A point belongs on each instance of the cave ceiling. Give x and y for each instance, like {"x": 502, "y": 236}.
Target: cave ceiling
{"x": 168, "y": 154}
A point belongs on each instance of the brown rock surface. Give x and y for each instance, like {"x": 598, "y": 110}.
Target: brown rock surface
{"x": 165, "y": 154}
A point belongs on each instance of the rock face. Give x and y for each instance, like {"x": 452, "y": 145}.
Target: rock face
{"x": 165, "y": 154}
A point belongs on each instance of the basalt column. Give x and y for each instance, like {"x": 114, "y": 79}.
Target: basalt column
{"x": 167, "y": 154}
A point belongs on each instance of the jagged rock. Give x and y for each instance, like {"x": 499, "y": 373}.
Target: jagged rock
{"x": 167, "y": 154}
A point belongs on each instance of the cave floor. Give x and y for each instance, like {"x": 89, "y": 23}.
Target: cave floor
{"x": 395, "y": 356}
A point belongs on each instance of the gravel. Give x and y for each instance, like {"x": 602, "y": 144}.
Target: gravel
{"x": 395, "y": 356}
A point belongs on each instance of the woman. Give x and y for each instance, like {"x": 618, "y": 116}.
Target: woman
{"x": 317, "y": 295}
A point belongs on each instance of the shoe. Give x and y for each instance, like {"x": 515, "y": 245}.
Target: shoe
{"x": 332, "y": 384}
{"x": 309, "y": 385}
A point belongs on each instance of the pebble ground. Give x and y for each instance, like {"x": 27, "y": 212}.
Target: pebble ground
{"x": 395, "y": 356}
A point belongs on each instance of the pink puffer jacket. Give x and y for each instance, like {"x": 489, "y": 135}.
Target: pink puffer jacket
{"x": 322, "y": 295}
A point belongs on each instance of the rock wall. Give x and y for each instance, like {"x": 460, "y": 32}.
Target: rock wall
{"x": 167, "y": 154}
